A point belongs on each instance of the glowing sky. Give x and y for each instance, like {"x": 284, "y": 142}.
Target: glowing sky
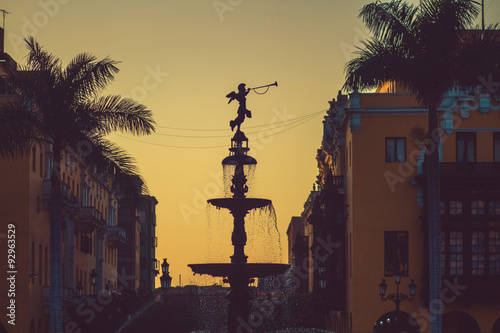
{"x": 180, "y": 58}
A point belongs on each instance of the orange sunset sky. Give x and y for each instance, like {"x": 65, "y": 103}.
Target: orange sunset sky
{"x": 180, "y": 58}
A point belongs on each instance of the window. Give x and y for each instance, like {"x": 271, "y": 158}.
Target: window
{"x": 466, "y": 147}
{"x": 456, "y": 250}
{"x": 443, "y": 253}
{"x": 452, "y": 258}
{"x": 41, "y": 164}
{"x": 494, "y": 252}
{"x": 395, "y": 149}
{"x": 496, "y": 147}
{"x": 33, "y": 158}
{"x": 494, "y": 207}
{"x": 40, "y": 264}
{"x": 46, "y": 271}
{"x": 478, "y": 253}
{"x": 33, "y": 258}
{"x": 477, "y": 207}
{"x": 396, "y": 252}
{"x": 455, "y": 207}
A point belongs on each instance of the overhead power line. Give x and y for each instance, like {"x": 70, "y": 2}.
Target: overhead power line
{"x": 272, "y": 126}
{"x": 295, "y": 123}
{"x": 225, "y": 129}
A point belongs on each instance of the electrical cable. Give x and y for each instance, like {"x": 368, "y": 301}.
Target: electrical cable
{"x": 225, "y": 129}
{"x": 274, "y": 125}
{"x": 219, "y": 146}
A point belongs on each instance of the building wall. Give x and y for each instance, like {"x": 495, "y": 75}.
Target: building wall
{"x": 24, "y": 203}
{"x": 386, "y": 196}
{"x": 377, "y": 208}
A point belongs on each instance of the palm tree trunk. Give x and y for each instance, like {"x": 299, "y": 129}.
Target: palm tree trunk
{"x": 434, "y": 224}
{"x": 56, "y": 210}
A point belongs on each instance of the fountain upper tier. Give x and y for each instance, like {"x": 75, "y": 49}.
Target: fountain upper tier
{"x": 246, "y": 204}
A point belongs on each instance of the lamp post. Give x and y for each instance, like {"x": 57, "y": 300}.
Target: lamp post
{"x": 165, "y": 278}
{"x": 397, "y": 297}
{"x": 93, "y": 279}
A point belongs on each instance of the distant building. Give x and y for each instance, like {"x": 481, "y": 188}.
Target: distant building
{"x": 149, "y": 265}
{"x": 297, "y": 242}
{"x": 129, "y": 253}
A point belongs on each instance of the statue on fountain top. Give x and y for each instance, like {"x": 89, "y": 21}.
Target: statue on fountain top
{"x": 242, "y": 110}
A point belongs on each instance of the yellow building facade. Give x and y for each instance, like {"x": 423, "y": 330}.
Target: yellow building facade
{"x": 375, "y": 143}
{"x": 89, "y": 238}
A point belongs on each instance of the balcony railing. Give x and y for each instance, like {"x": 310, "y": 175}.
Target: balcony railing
{"x": 480, "y": 169}
{"x": 90, "y": 218}
{"x": 116, "y": 236}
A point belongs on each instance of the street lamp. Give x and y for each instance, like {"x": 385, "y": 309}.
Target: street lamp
{"x": 397, "y": 297}
{"x": 93, "y": 279}
{"x": 165, "y": 278}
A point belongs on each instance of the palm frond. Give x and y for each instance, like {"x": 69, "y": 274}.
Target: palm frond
{"x": 20, "y": 128}
{"x": 390, "y": 22}
{"x": 114, "y": 113}
{"x": 40, "y": 60}
{"x": 85, "y": 77}
{"x": 376, "y": 63}
{"x": 109, "y": 158}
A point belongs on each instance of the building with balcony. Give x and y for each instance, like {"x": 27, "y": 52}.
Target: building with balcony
{"x": 90, "y": 233}
{"x": 371, "y": 205}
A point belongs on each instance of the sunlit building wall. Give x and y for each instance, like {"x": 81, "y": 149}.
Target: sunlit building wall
{"x": 374, "y": 143}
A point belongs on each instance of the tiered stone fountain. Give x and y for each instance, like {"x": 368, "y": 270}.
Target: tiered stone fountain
{"x": 239, "y": 273}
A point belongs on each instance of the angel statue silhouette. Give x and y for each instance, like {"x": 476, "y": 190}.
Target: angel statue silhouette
{"x": 240, "y": 96}
{"x": 242, "y": 110}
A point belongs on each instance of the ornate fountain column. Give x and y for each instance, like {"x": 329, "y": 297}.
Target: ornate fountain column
{"x": 239, "y": 274}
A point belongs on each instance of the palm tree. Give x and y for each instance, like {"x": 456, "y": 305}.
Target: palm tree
{"x": 61, "y": 106}
{"x": 429, "y": 49}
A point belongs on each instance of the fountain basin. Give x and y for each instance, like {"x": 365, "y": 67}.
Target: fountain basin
{"x": 240, "y": 203}
{"x": 248, "y": 270}
{"x": 240, "y": 159}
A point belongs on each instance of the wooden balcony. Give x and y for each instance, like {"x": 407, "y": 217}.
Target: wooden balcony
{"x": 470, "y": 169}
{"x": 116, "y": 236}
{"x": 466, "y": 174}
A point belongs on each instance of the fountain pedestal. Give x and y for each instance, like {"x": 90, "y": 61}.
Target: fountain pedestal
{"x": 239, "y": 274}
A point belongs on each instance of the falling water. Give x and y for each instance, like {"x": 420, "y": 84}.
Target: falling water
{"x": 218, "y": 231}
{"x": 228, "y": 173}
{"x": 262, "y": 233}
